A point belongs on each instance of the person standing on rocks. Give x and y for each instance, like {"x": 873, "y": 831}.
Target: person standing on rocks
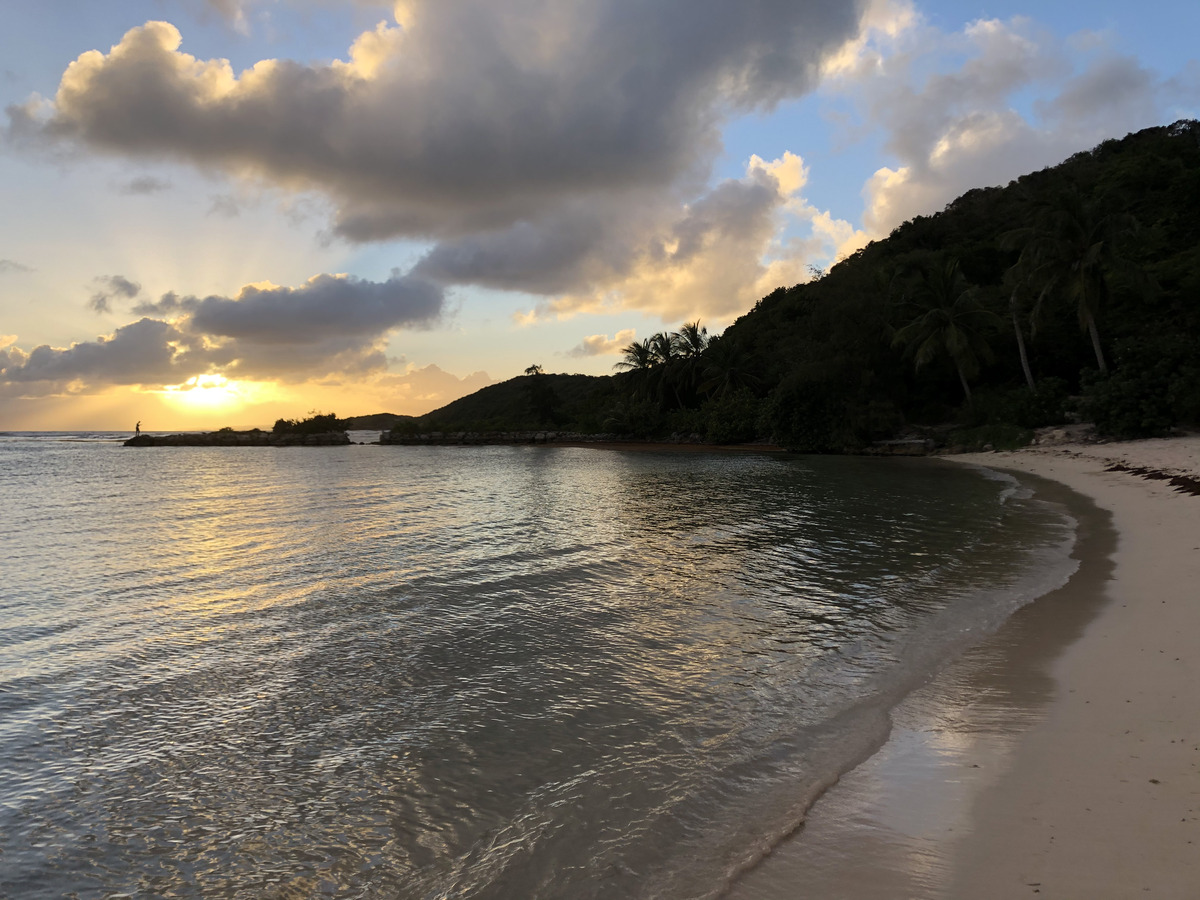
{"x": 137, "y": 429}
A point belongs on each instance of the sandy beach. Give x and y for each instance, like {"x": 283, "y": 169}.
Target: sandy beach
{"x": 1061, "y": 757}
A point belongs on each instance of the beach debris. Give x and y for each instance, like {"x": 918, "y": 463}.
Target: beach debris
{"x": 1183, "y": 483}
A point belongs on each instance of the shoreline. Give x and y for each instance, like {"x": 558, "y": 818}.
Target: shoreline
{"x": 1059, "y": 757}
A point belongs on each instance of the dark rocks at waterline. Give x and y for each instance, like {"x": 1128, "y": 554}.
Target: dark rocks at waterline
{"x": 230, "y": 438}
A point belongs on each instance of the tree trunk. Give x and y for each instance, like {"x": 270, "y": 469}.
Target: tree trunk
{"x": 1012, "y": 305}
{"x": 1095, "y": 335}
{"x": 963, "y": 380}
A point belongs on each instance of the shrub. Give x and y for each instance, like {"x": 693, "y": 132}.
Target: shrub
{"x": 316, "y": 424}
{"x": 804, "y": 417}
{"x": 997, "y": 436}
{"x": 732, "y": 418}
{"x": 1047, "y": 405}
{"x": 1154, "y": 385}
{"x": 1128, "y": 404}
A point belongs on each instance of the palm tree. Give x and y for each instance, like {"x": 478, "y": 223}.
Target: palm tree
{"x": 665, "y": 347}
{"x": 638, "y": 360}
{"x": 691, "y": 339}
{"x": 1071, "y": 250}
{"x": 727, "y": 368}
{"x": 950, "y": 321}
{"x": 1017, "y": 280}
{"x": 638, "y": 356}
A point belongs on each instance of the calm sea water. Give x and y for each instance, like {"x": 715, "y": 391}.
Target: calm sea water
{"x": 502, "y": 672}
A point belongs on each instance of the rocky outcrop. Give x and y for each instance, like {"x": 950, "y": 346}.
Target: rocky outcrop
{"x": 227, "y": 437}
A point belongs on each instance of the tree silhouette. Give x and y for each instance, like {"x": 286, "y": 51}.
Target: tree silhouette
{"x": 691, "y": 339}
{"x": 1017, "y": 280}
{"x": 727, "y": 368}
{"x": 665, "y": 347}
{"x": 950, "y": 322}
{"x": 636, "y": 357}
{"x": 1071, "y": 250}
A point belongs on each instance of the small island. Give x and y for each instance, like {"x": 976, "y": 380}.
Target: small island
{"x": 319, "y": 430}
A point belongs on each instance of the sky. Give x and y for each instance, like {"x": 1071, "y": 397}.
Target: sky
{"x": 223, "y": 212}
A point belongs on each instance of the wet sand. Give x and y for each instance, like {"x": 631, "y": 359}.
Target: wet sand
{"x": 1061, "y": 757}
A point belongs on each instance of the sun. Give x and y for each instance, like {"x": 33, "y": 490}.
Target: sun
{"x": 211, "y": 393}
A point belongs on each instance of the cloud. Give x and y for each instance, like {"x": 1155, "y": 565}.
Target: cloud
{"x": 542, "y": 146}
{"x": 420, "y": 390}
{"x": 233, "y": 12}
{"x": 600, "y": 344}
{"x": 237, "y": 12}
{"x": 1114, "y": 87}
{"x": 143, "y": 352}
{"x": 333, "y": 326}
{"x": 144, "y": 185}
{"x": 714, "y": 258}
{"x": 956, "y": 112}
{"x": 110, "y": 288}
{"x": 325, "y": 306}
{"x": 224, "y": 205}
{"x": 477, "y": 113}
{"x": 8, "y": 265}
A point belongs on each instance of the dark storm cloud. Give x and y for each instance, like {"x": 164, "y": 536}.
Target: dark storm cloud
{"x": 471, "y": 119}
{"x": 110, "y": 288}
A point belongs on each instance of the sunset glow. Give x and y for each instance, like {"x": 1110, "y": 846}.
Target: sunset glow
{"x": 214, "y": 393}
{"x": 234, "y": 205}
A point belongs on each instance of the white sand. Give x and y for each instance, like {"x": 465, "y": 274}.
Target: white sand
{"x": 1061, "y": 758}
{"x": 1103, "y": 797}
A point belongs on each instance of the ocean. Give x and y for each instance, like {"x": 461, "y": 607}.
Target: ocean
{"x": 465, "y": 672}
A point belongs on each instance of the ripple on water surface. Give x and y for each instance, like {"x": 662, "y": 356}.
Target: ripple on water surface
{"x": 484, "y": 672}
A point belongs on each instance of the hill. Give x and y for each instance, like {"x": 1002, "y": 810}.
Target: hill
{"x": 376, "y": 422}
{"x": 1070, "y": 292}
{"x": 565, "y": 402}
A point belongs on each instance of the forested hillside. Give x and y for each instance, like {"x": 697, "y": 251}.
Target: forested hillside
{"x": 1074, "y": 291}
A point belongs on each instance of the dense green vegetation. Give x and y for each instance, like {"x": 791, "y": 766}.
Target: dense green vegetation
{"x": 317, "y": 423}
{"x": 1074, "y": 291}
{"x": 528, "y": 402}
